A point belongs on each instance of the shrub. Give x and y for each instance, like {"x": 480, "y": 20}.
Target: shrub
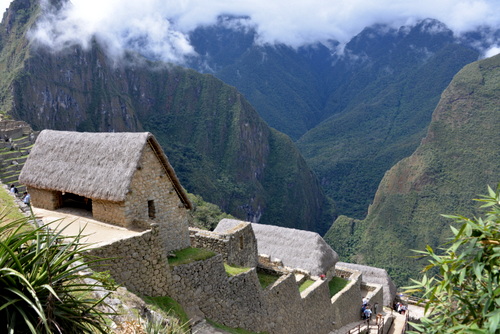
{"x": 465, "y": 296}
{"x": 42, "y": 282}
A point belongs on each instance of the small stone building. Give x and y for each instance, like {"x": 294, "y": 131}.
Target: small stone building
{"x": 121, "y": 178}
{"x": 296, "y": 249}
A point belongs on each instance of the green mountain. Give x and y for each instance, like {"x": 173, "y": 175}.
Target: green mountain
{"x": 353, "y": 114}
{"x": 454, "y": 163}
{"x": 218, "y": 144}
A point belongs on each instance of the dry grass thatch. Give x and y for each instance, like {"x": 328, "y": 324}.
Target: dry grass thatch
{"x": 374, "y": 275}
{"x": 94, "y": 165}
{"x": 295, "y": 248}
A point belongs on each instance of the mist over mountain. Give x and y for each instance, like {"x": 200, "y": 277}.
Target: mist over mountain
{"x": 353, "y": 114}
{"x": 218, "y": 144}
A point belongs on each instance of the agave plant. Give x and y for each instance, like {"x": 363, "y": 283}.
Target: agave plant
{"x": 42, "y": 285}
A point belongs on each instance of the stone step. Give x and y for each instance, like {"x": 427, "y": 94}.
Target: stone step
{"x": 10, "y": 155}
{"x": 8, "y": 174}
{"x": 10, "y": 179}
{"x": 24, "y": 141}
{"x": 11, "y": 168}
{"x": 14, "y": 161}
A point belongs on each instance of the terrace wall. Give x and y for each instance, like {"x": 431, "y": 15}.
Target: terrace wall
{"x": 138, "y": 262}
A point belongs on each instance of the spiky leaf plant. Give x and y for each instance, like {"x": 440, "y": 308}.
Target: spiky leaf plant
{"x": 42, "y": 282}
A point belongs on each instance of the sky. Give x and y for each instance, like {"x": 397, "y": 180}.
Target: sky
{"x": 161, "y": 26}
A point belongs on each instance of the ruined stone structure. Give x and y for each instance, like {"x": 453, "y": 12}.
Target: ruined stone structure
{"x": 238, "y": 245}
{"x": 203, "y": 288}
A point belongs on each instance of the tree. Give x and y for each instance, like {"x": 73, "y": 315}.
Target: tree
{"x": 465, "y": 296}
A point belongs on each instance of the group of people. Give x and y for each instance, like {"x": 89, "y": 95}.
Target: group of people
{"x": 26, "y": 198}
{"x": 366, "y": 310}
{"x": 400, "y": 308}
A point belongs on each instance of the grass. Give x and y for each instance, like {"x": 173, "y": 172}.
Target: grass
{"x": 266, "y": 279}
{"x": 305, "y": 284}
{"x": 10, "y": 208}
{"x": 235, "y": 270}
{"x": 336, "y": 284}
{"x": 169, "y": 306}
{"x": 188, "y": 255}
{"x": 232, "y": 330}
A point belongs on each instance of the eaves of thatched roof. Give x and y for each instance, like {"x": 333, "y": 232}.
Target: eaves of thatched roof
{"x": 295, "y": 248}
{"x": 374, "y": 275}
{"x": 95, "y": 165}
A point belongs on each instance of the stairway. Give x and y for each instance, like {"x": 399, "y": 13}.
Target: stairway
{"x": 16, "y": 141}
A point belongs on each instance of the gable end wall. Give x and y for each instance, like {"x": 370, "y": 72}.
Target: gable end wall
{"x": 151, "y": 182}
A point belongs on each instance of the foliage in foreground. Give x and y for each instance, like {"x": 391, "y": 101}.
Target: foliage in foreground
{"x": 465, "y": 296}
{"x": 42, "y": 282}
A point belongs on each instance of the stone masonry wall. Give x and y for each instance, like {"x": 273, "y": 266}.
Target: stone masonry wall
{"x": 345, "y": 307}
{"x": 240, "y": 301}
{"x": 237, "y": 246}
{"x": 138, "y": 262}
{"x": 153, "y": 200}
{"x": 375, "y": 295}
{"x": 109, "y": 212}
{"x": 45, "y": 199}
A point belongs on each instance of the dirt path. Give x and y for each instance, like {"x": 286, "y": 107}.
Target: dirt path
{"x": 74, "y": 220}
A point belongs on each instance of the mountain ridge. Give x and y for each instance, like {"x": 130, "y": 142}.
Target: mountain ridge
{"x": 455, "y": 162}
{"x": 219, "y": 146}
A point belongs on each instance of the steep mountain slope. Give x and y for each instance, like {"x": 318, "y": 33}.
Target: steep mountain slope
{"x": 455, "y": 162}
{"x": 353, "y": 113}
{"x": 219, "y": 146}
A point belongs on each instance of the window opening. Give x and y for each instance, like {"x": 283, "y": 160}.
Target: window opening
{"x": 151, "y": 209}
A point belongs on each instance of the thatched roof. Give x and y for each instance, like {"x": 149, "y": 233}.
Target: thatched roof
{"x": 295, "y": 248}
{"x": 374, "y": 275}
{"x": 94, "y": 165}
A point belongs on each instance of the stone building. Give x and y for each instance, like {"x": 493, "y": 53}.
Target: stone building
{"x": 121, "y": 178}
{"x": 293, "y": 248}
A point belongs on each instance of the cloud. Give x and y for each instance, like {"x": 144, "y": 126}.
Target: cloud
{"x": 493, "y": 51}
{"x": 160, "y": 28}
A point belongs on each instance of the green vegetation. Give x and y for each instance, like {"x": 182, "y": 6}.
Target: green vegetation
{"x": 307, "y": 283}
{"x": 336, "y": 284}
{"x": 188, "y": 255}
{"x": 10, "y": 210}
{"x": 206, "y": 215}
{"x": 465, "y": 296}
{"x": 266, "y": 279}
{"x": 454, "y": 164}
{"x": 42, "y": 282}
{"x": 234, "y": 270}
{"x": 232, "y": 330}
{"x": 169, "y": 306}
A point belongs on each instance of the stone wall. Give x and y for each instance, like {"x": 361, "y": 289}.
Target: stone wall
{"x": 110, "y": 212}
{"x": 153, "y": 199}
{"x": 346, "y": 304}
{"x": 138, "y": 262}
{"x": 45, "y": 199}
{"x": 237, "y": 246}
{"x": 240, "y": 301}
{"x": 375, "y": 295}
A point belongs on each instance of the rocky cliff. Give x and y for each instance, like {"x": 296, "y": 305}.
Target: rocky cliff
{"x": 219, "y": 146}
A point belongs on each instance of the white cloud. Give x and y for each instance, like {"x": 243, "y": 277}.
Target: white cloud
{"x": 4, "y": 4}
{"x": 160, "y": 27}
{"x": 493, "y": 51}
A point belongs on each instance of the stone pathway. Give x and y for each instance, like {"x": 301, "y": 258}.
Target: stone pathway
{"x": 74, "y": 220}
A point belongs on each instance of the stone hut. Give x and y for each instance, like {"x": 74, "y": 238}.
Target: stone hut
{"x": 296, "y": 249}
{"x": 121, "y": 178}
